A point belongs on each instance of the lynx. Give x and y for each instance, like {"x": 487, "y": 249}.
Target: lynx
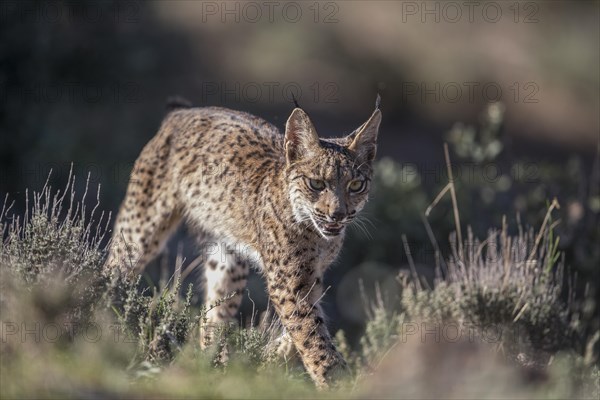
{"x": 289, "y": 198}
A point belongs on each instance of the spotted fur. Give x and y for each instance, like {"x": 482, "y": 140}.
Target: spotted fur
{"x": 285, "y": 199}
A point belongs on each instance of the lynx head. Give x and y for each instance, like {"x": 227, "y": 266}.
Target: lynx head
{"x": 328, "y": 179}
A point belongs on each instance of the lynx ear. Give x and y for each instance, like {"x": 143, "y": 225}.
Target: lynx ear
{"x": 301, "y": 138}
{"x": 364, "y": 139}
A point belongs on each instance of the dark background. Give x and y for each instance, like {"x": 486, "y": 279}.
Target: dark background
{"x": 85, "y": 84}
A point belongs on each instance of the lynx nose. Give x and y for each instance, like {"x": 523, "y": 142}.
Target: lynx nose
{"x": 337, "y": 216}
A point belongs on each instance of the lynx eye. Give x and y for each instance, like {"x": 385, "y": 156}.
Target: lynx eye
{"x": 315, "y": 184}
{"x": 357, "y": 186}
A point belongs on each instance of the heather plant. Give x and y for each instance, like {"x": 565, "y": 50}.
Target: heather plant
{"x": 160, "y": 323}
{"x": 54, "y": 249}
{"x": 522, "y": 187}
{"x": 53, "y": 257}
{"x": 514, "y": 284}
{"x": 506, "y": 300}
{"x": 504, "y": 281}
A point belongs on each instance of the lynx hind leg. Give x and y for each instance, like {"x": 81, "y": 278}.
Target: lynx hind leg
{"x": 150, "y": 213}
{"x": 137, "y": 242}
{"x": 225, "y": 280}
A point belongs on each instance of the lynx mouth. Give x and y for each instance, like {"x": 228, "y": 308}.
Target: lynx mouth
{"x": 330, "y": 229}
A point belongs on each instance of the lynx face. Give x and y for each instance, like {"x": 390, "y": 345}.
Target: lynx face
{"x": 328, "y": 179}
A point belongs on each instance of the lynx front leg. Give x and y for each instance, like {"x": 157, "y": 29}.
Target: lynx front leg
{"x": 295, "y": 289}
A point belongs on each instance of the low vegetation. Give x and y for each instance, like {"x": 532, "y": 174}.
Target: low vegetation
{"x": 498, "y": 311}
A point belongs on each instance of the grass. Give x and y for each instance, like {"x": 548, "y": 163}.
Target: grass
{"x": 72, "y": 330}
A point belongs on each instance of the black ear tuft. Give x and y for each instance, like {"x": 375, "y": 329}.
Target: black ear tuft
{"x": 177, "y": 102}
{"x": 377, "y": 101}
{"x": 295, "y": 101}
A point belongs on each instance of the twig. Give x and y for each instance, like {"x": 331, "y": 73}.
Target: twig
{"x": 437, "y": 199}
{"x": 411, "y": 263}
{"x": 449, "y": 187}
{"x": 454, "y": 202}
{"x": 553, "y": 205}
{"x": 438, "y": 259}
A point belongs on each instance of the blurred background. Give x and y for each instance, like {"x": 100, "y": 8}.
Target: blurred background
{"x": 512, "y": 87}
